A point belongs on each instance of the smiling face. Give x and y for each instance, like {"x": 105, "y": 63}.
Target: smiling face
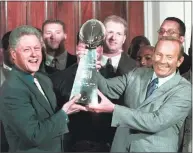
{"x": 144, "y": 57}
{"x": 170, "y": 28}
{"x": 53, "y": 35}
{"x": 166, "y": 58}
{"x": 28, "y": 54}
{"x": 115, "y": 36}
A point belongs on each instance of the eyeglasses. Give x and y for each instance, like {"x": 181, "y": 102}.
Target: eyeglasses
{"x": 168, "y": 32}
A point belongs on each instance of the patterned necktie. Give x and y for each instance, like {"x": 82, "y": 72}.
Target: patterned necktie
{"x": 151, "y": 87}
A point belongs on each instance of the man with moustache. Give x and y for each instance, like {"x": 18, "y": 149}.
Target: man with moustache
{"x": 156, "y": 102}
{"x": 28, "y": 107}
{"x": 54, "y": 36}
{"x": 174, "y": 27}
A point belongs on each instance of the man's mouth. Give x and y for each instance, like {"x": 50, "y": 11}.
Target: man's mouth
{"x": 33, "y": 61}
{"x": 162, "y": 67}
{"x": 112, "y": 43}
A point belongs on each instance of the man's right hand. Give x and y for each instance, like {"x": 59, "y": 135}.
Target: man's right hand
{"x": 71, "y": 106}
{"x": 81, "y": 50}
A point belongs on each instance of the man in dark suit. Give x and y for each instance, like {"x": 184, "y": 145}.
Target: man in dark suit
{"x": 156, "y": 102}
{"x": 4, "y": 72}
{"x": 116, "y": 30}
{"x": 174, "y": 27}
{"x": 54, "y": 36}
{"x": 28, "y": 108}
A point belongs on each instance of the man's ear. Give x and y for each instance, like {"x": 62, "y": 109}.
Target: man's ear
{"x": 182, "y": 39}
{"x": 65, "y": 36}
{"x": 12, "y": 53}
{"x": 124, "y": 39}
{"x": 180, "y": 61}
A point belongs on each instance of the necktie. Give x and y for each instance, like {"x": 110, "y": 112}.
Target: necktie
{"x": 109, "y": 69}
{"x": 151, "y": 87}
{"x": 54, "y": 61}
{"x": 39, "y": 87}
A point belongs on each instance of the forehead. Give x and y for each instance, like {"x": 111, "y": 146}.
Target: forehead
{"x": 28, "y": 40}
{"x": 53, "y": 26}
{"x": 168, "y": 24}
{"x": 114, "y": 26}
{"x": 167, "y": 46}
{"x": 145, "y": 51}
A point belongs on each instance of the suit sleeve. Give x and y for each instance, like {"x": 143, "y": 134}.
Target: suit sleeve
{"x": 113, "y": 87}
{"x": 18, "y": 112}
{"x": 175, "y": 108}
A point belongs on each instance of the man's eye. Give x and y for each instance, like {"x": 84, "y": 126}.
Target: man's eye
{"x": 138, "y": 59}
{"x": 171, "y": 32}
{"x": 169, "y": 57}
{"x": 110, "y": 32}
{"x": 26, "y": 50}
{"x": 158, "y": 54}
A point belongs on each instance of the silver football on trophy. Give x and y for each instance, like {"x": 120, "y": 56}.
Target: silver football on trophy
{"x": 92, "y": 33}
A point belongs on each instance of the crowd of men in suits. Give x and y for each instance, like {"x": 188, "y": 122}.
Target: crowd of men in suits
{"x": 141, "y": 110}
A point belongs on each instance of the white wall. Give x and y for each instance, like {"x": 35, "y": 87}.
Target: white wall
{"x": 155, "y": 12}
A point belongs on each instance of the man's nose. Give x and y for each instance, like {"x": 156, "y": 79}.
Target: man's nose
{"x": 165, "y": 33}
{"x": 53, "y": 36}
{"x": 113, "y": 36}
{"x": 33, "y": 52}
{"x": 163, "y": 60}
{"x": 143, "y": 62}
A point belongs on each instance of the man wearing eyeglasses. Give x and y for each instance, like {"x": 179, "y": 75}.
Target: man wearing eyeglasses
{"x": 176, "y": 28}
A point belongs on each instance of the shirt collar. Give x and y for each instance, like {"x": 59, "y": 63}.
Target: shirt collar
{"x": 6, "y": 67}
{"x": 60, "y": 57}
{"x": 162, "y": 80}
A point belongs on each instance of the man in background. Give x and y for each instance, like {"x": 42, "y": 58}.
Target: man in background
{"x": 176, "y": 28}
{"x": 144, "y": 56}
{"x": 116, "y": 32}
{"x": 54, "y": 36}
{"x": 5, "y": 67}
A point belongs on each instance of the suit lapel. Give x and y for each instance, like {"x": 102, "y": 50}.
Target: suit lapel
{"x": 47, "y": 91}
{"x": 143, "y": 85}
{"x": 121, "y": 65}
{"x": 39, "y": 97}
{"x": 125, "y": 64}
{"x": 162, "y": 89}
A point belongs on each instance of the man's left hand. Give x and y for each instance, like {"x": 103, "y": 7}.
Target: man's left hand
{"x": 105, "y": 106}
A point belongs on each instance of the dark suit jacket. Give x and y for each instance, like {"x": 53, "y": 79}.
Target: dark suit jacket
{"x": 186, "y": 64}
{"x": 31, "y": 122}
{"x": 71, "y": 59}
{"x": 4, "y": 144}
{"x": 126, "y": 64}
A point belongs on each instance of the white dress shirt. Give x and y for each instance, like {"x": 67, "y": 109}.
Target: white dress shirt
{"x": 115, "y": 61}
{"x": 162, "y": 80}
